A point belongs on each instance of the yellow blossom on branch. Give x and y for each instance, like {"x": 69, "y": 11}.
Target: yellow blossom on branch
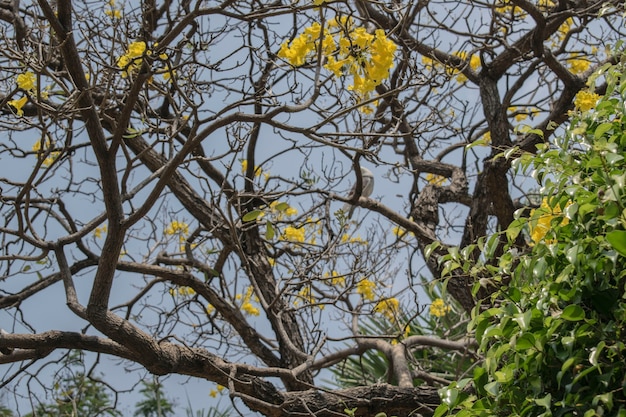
{"x": 182, "y": 291}
{"x": 176, "y": 227}
{"x": 438, "y": 308}
{"x": 335, "y": 279}
{"x": 294, "y": 234}
{"x": 50, "y": 156}
{"x": 18, "y": 104}
{"x": 435, "y": 179}
{"x": 578, "y": 65}
{"x": 99, "y": 231}
{"x": 214, "y": 392}
{"x": 586, "y": 100}
{"x": 131, "y": 61}
{"x": 388, "y": 307}
{"x": 542, "y": 220}
{"x": 26, "y": 81}
{"x": 244, "y": 168}
{"x": 366, "y": 288}
{"x": 348, "y": 51}
{"x": 246, "y": 302}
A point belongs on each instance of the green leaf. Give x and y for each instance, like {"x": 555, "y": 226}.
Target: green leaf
{"x": 269, "y": 231}
{"x": 252, "y": 216}
{"x": 449, "y": 396}
{"x": 617, "y": 239}
{"x": 602, "y": 129}
{"x": 596, "y": 352}
{"x": 431, "y": 248}
{"x": 281, "y": 206}
{"x": 525, "y": 342}
{"x": 492, "y": 388}
{"x": 573, "y": 312}
{"x": 523, "y": 319}
{"x": 514, "y": 229}
{"x": 544, "y": 402}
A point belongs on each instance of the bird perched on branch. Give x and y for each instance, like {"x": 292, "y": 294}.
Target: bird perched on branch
{"x": 367, "y": 187}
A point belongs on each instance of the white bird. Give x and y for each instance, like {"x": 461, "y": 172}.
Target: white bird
{"x": 367, "y": 187}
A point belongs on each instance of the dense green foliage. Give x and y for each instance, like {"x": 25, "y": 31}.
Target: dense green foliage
{"x": 554, "y": 345}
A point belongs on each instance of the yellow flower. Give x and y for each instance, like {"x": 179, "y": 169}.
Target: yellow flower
{"x": 218, "y": 389}
{"x": 438, "y": 308}
{"x": 176, "y": 227}
{"x": 435, "y": 179}
{"x": 249, "y": 309}
{"x": 366, "y": 288}
{"x": 541, "y": 220}
{"x": 388, "y": 308}
{"x": 335, "y": 279}
{"x": 113, "y": 13}
{"x": 475, "y": 62}
{"x": 18, "y": 104}
{"x": 586, "y": 100}
{"x": 130, "y": 61}
{"x": 244, "y": 168}
{"x": 168, "y": 73}
{"x": 305, "y": 295}
{"x": 210, "y": 309}
{"x": 99, "y": 231}
{"x": 246, "y": 302}
{"x": 348, "y": 51}
{"x": 294, "y": 234}
{"x": 136, "y": 49}
{"x": 578, "y": 65}
{"x": 51, "y": 156}
{"x": 26, "y": 81}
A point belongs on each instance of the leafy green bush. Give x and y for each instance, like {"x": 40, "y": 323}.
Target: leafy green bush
{"x": 554, "y": 344}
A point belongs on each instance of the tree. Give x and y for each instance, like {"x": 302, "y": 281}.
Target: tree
{"x": 177, "y": 169}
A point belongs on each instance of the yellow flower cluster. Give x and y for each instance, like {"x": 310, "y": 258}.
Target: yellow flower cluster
{"x": 183, "y": 291}
{"x": 541, "y": 220}
{"x": 435, "y": 179}
{"x": 562, "y": 32}
{"x": 346, "y": 238}
{"x": 586, "y": 100}
{"x": 438, "y": 308}
{"x": 294, "y": 234}
{"x": 347, "y": 50}
{"x": 336, "y": 280}
{"x": 112, "y": 11}
{"x": 366, "y": 288}
{"x": 306, "y": 295}
{"x": 26, "y": 81}
{"x": 473, "y": 62}
{"x": 244, "y": 167}
{"x": 281, "y": 209}
{"x": 130, "y": 62}
{"x": 177, "y": 228}
{"x": 99, "y": 231}
{"x": 578, "y": 65}
{"x": 388, "y": 307}
{"x": 218, "y": 389}
{"x": 246, "y": 302}
{"x": 51, "y": 156}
